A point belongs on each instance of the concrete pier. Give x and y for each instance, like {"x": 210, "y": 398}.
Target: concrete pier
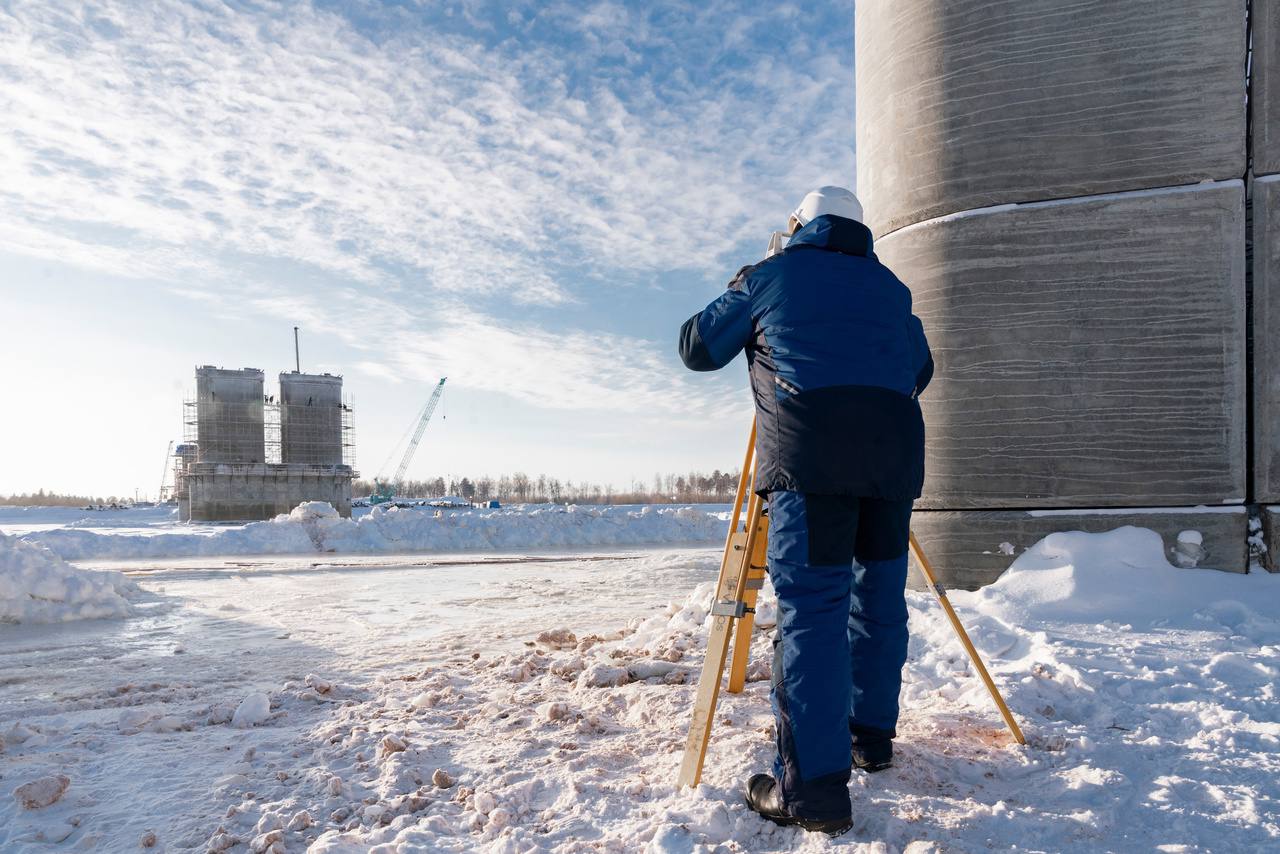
{"x": 1064, "y": 190}
{"x": 1271, "y": 535}
{"x": 1079, "y": 366}
{"x": 235, "y": 466}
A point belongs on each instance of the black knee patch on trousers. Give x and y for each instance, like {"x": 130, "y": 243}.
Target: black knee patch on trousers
{"x": 884, "y": 529}
{"x": 841, "y": 528}
{"x": 832, "y": 528}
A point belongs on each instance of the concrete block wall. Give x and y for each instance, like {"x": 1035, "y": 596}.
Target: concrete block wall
{"x": 1265, "y": 160}
{"x": 238, "y": 493}
{"x": 976, "y": 547}
{"x": 964, "y": 104}
{"x": 1079, "y": 366}
{"x": 1266, "y": 346}
{"x": 1062, "y": 188}
{"x": 1271, "y": 535}
{"x": 1265, "y": 96}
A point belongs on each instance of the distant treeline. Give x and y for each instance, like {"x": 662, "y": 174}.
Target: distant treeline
{"x": 693, "y": 488}
{"x": 53, "y": 499}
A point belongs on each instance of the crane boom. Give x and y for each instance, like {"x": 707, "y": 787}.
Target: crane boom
{"x": 386, "y": 491}
{"x": 427, "y": 412}
{"x": 164, "y": 473}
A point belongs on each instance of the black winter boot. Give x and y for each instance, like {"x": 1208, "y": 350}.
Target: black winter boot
{"x": 872, "y": 748}
{"x": 763, "y": 798}
{"x": 873, "y": 758}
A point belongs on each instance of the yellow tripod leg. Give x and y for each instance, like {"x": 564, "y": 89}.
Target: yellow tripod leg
{"x": 757, "y": 568}
{"x": 927, "y": 570}
{"x": 727, "y": 608}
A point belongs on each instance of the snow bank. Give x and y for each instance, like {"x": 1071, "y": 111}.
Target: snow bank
{"x": 315, "y": 527}
{"x": 1123, "y": 576}
{"x": 36, "y": 586}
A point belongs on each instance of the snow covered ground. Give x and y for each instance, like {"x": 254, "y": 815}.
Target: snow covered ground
{"x": 511, "y": 704}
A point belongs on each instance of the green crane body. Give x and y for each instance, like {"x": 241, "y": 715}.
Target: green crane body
{"x": 385, "y": 491}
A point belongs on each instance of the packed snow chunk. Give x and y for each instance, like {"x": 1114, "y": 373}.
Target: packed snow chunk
{"x": 37, "y": 586}
{"x": 309, "y": 511}
{"x": 603, "y": 676}
{"x": 221, "y": 841}
{"x": 268, "y": 843}
{"x": 320, "y": 686}
{"x": 132, "y": 721}
{"x": 649, "y": 669}
{"x": 1188, "y": 550}
{"x": 557, "y": 639}
{"x": 555, "y": 711}
{"x": 42, "y": 792}
{"x": 1122, "y": 576}
{"x": 392, "y": 744}
{"x": 253, "y": 710}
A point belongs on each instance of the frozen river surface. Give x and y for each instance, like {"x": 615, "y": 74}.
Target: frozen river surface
{"x": 515, "y": 703}
{"x": 265, "y": 617}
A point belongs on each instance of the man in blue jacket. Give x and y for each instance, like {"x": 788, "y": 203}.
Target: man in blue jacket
{"x": 836, "y": 361}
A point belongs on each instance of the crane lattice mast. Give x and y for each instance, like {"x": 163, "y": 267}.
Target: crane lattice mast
{"x": 164, "y": 474}
{"x": 384, "y": 491}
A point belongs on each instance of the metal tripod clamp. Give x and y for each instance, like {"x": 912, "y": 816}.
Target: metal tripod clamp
{"x": 737, "y": 610}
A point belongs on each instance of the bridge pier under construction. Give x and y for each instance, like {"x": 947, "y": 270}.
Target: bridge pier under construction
{"x": 248, "y": 455}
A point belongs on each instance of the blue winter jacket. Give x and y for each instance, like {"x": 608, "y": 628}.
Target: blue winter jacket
{"x": 836, "y": 360}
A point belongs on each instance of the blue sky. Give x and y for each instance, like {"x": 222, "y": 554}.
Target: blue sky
{"x": 526, "y": 197}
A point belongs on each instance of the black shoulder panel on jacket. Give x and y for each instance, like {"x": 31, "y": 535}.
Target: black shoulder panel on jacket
{"x": 693, "y": 351}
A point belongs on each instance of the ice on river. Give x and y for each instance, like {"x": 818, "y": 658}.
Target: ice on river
{"x": 543, "y": 705}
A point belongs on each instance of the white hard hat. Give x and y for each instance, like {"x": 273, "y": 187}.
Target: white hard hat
{"x": 836, "y": 201}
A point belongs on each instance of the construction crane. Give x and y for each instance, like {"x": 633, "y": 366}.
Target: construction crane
{"x": 384, "y": 490}
{"x": 164, "y": 474}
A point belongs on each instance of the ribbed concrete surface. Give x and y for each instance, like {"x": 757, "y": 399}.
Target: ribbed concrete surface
{"x": 1266, "y": 87}
{"x": 968, "y": 103}
{"x": 310, "y": 419}
{"x": 1266, "y": 346}
{"x": 1271, "y": 531}
{"x": 229, "y": 415}
{"x": 1090, "y": 353}
{"x": 971, "y": 548}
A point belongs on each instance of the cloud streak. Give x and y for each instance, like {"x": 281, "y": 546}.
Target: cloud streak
{"x": 466, "y": 169}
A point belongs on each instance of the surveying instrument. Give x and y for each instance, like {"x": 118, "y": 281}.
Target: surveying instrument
{"x": 742, "y": 572}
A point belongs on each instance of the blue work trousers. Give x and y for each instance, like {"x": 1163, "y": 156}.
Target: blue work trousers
{"x": 839, "y": 567}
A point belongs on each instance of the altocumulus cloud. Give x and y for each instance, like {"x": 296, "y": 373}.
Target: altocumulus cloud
{"x": 457, "y": 160}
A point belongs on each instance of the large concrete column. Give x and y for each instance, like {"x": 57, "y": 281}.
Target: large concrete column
{"x": 310, "y": 419}
{"x": 1265, "y": 114}
{"x": 1266, "y": 347}
{"x": 1265, "y": 95}
{"x": 1060, "y": 186}
{"x": 1271, "y": 535}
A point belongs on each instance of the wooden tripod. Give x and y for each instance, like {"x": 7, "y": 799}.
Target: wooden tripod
{"x": 742, "y": 573}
